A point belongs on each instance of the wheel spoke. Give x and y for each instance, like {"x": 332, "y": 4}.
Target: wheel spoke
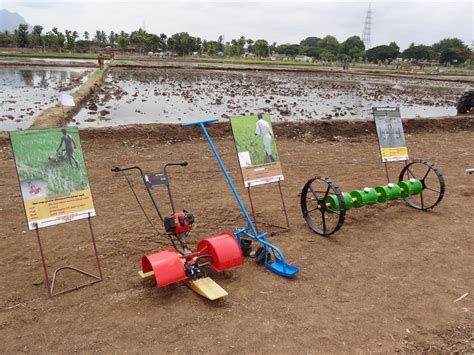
{"x": 431, "y": 189}
{"x": 421, "y": 198}
{"x": 314, "y": 209}
{"x": 314, "y": 193}
{"x": 426, "y": 174}
{"x": 410, "y": 172}
{"x": 326, "y": 193}
{"x": 324, "y": 222}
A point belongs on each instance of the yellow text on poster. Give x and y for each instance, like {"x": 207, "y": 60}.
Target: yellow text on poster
{"x": 394, "y": 153}
{"x": 45, "y": 208}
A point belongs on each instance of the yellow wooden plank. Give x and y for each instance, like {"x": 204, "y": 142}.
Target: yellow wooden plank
{"x": 146, "y": 275}
{"x": 207, "y": 288}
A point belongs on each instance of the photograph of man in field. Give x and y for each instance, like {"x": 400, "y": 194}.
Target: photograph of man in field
{"x": 69, "y": 147}
{"x": 264, "y": 130}
{"x": 254, "y": 139}
{"x": 35, "y": 162}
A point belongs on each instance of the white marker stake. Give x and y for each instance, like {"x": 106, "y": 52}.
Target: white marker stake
{"x": 66, "y": 100}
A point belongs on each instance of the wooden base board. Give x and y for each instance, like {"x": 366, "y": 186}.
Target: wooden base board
{"x": 205, "y": 286}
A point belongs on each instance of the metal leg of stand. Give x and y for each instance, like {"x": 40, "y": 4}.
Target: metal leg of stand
{"x": 253, "y": 211}
{"x": 386, "y": 172}
{"x": 95, "y": 247}
{"x": 46, "y": 277}
{"x": 284, "y": 207}
{"x": 50, "y": 285}
{"x": 281, "y": 229}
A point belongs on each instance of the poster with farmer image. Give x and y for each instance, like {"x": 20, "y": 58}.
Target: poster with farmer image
{"x": 52, "y": 175}
{"x": 391, "y": 138}
{"x": 256, "y": 149}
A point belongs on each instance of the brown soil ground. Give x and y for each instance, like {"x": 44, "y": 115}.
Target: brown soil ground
{"x": 386, "y": 282}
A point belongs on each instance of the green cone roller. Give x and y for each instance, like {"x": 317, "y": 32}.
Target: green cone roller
{"x": 388, "y": 192}
{"x": 410, "y": 187}
{"x": 420, "y": 185}
{"x": 369, "y": 196}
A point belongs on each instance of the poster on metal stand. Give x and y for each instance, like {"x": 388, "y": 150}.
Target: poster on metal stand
{"x": 54, "y": 187}
{"x": 258, "y": 159}
{"x": 390, "y": 136}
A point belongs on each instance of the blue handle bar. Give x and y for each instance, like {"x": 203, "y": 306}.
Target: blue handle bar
{"x": 199, "y": 122}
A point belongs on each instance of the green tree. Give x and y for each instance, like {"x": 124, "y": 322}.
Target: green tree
{"x": 382, "y": 53}
{"x": 22, "y": 36}
{"x": 6, "y": 39}
{"x": 55, "y": 39}
{"x": 183, "y": 43}
{"x": 112, "y": 39}
{"x": 327, "y": 55}
{"x": 139, "y": 39}
{"x": 71, "y": 37}
{"x": 237, "y": 46}
{"x": 290, "y": 50}
{"x": 454, "y": 55}
{"x": 451, "y": 50}
{"x": 123, "y": 40}
{"x": 261, "y": 48}
{"x": 100, "y": 38}
{"x": 86, "y": 35}
{"x": 310, "y": 41}
{"x": 162, "y": 42}
{"x": 420, "y": 52}
{"x": 250, "y": 45}
{"x": 36, "y": 39}
{"x": 329, "y": 44}
{"x": 352, "y": 48}
{"x": 314, "y": 52}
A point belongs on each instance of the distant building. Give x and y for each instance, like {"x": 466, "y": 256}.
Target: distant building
{"x": 303, "y": 58}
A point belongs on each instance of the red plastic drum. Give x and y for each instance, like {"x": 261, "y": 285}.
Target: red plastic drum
{"x": 224, "y": 249}
{"x": 166, "y": 265}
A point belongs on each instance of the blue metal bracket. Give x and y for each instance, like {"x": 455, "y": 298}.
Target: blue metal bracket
{"x": 279, "y": 266}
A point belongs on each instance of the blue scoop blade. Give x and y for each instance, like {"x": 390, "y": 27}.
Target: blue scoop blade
{"x": 281, "y": 268}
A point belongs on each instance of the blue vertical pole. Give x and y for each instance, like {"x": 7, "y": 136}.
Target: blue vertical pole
{"x": 221, "y": 164}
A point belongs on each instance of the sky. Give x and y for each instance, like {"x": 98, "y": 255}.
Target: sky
{"x": 418, "y": 21}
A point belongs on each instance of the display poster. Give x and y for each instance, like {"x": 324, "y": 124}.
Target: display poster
{"x": 52, "y": 175}
{"x": 256, "y": 149}
{"x": 388, "y": 123}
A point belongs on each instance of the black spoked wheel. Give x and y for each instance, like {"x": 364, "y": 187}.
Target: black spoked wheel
{"x": 432, "y": 181}
{"x": 323, "y": 206}
{"x": 466, "y": 102}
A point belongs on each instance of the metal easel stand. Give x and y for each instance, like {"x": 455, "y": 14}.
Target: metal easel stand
{"x": 406, "y": 162}
{"x": 281, "y": 229}
{"x": 50, "y": 284}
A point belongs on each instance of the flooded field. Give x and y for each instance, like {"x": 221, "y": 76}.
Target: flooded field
{"x": 64, "y": 61}
{"x": 181, "y": 95}
{"x": 26, "y": 91}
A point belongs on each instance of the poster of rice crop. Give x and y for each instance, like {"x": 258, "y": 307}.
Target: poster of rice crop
{"x": 52, "y": 175}
{"x": 256, "y": 149}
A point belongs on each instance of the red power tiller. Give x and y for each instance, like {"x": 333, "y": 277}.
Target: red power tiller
{"x": 221, "y": 252}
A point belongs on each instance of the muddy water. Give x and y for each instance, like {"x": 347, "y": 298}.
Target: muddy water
{"x": 25, "y": 92}
{"x": 180, "y": 95}
{"x": 63, "y": 61}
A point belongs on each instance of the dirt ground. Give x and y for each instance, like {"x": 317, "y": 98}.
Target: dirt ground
{"x": 386, "y": 282}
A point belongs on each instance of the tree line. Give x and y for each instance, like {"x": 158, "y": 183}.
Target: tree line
{"x": 448, "y": 50}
